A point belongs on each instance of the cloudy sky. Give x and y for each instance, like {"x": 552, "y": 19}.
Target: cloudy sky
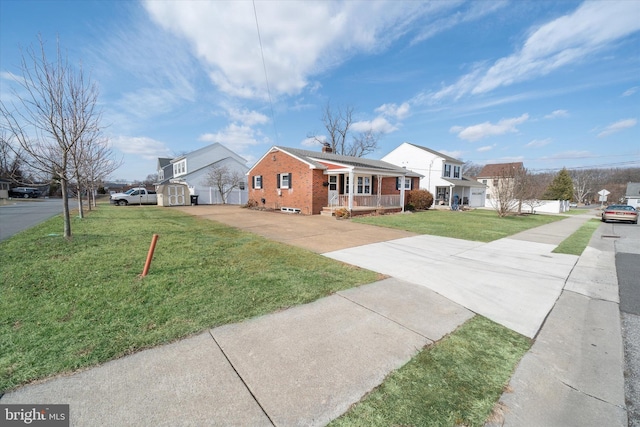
{"x": 551, "y": 83}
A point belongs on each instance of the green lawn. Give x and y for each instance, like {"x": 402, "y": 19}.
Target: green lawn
{"x": 455, "y": 383}
{"x": 578, "y": 241}
{"x": 479, "y": 225}
{"x": 67, "y": 305}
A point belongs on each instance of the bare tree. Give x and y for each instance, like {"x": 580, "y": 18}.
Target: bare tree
{"x": 583, "y": 184}
{"x": 338, "y": 124}
{"x": 471, "y": 169}
{"x": 224, "y": 180}
{"x": 509, "y": 189}
{"x": 55, "y": 109}
{"x": 11, "y": 165}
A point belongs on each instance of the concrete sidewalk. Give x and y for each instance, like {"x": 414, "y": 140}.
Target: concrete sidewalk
{"x": 308, "y": 364}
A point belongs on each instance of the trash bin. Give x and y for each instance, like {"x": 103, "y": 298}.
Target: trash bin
{"x": 194, "y": 200}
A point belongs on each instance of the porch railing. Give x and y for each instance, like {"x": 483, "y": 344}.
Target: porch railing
{"x": 370, "y": 201}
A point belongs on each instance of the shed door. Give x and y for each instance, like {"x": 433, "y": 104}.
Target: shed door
{"x": 176, "y": 195}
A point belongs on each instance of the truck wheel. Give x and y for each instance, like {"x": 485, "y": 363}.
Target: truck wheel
{"x": 122, "y": 203}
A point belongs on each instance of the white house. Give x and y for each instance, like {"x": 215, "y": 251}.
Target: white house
{"x": 193, "y": 168}
{"x": 498, "y": 174}
{"x": 632, "y": 195}
{"x": 442, "y": 175}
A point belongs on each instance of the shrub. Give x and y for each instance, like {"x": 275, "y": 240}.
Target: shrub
{"x": 409, "y": 207}
{"x": 251, "y": 204}
{"x": 420, "y": 199}
{"x": 342, "y": 213}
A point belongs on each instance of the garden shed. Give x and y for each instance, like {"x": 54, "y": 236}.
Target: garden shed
{"x": 173, "y": 194}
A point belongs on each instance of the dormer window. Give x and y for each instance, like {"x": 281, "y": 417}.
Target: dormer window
{"x": 456, "y": 171}
{"x": 447, "y": 170}
{"x": 180, "y": 168}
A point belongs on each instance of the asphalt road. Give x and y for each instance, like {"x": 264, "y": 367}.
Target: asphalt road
{"x": 628, "y": 270}
{"x": 18, "y": 215}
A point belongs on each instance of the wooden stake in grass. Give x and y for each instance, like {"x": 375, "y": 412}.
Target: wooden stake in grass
{"x": 152, "y": 248}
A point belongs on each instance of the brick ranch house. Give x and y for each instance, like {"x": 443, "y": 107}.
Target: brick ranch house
{"x": 314, "y": 182}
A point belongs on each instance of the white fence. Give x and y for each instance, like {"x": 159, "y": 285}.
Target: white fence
{"x": 545, "y": 206}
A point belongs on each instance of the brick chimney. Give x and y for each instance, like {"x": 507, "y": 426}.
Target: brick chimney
{"x": 326, "y": 148}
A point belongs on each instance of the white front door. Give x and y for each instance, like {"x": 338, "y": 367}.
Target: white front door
{"x": 333, "y": 190}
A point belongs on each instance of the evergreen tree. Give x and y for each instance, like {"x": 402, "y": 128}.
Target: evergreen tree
{"x": 561, "y": 188}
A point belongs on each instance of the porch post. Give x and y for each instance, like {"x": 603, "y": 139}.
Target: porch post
{"x": 351, "y": 179}
{"x": 402, "y": 193}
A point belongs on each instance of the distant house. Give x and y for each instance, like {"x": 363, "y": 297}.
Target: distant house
{"x": 496, "y": 175}
{"x": 441, "y": 175}
{"x": 632, "y": 195}
{"x": 314, "y": 182}
{"x": 192, "y": 169}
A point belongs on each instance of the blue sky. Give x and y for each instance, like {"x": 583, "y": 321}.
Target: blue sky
{"x": 551, "y": 83}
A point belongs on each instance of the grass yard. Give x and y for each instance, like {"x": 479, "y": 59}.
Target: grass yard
{"x": 480, "y": 225}
{"x": 68, "y": 305}
{"x": 578, "y": 241}
{"x": 455, "y": 383}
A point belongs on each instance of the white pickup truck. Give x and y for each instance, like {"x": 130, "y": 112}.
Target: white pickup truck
{"x": 134, "y": 196}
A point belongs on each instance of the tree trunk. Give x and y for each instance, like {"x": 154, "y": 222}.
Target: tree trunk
{"x": 64, "y": 185}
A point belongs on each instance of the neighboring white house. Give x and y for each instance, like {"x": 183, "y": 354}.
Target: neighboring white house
{"x": 632, "y": 195}
{"x": 192, "y": 169}
{"x": 497, "y": 174}
{"x": 442, "y": 175}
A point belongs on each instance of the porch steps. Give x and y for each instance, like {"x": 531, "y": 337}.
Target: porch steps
{"x": 327, "y": 211}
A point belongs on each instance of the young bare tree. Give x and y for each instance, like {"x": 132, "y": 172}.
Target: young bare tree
{"x": 338, "y": 123}
{"x": 509, "y": 187}
{"x": 583, "y": 184}
{"x": 54, "y": 109}
{"x": 224, "y": 180}
{"x": 11, "y": 165}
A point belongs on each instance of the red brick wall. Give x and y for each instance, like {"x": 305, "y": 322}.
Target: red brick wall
{"x": 306, "y": 192}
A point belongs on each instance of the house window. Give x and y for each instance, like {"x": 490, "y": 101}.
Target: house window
{"x": 484, "y": 181}
{"x": 495, "y": 182}
{"x": 284, "y": 180}
{"x": 363, "y": 185}
{"x": 180, "y": 168}
{"x": 333, "y": 182}
{"x": 257, "y": 181}
{"x": 407, "y": 183}
{"x": 447, "y": 170}
{"x": 456, "y": 171}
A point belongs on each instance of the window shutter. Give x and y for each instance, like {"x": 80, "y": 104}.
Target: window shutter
{"x": 278, "y": 181}
{"x": 290, "y": 185}
{"x": 253, "y": 182}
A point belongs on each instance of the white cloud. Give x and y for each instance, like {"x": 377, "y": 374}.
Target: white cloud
{"x": 557, "y": 114}
{"x": 377, "y": 125}
{"x": 398, "y": 112}
{"x": 564, "y": 41}
{"x": 455, "y": 154}
{"x": 486, "y": 129}
{"x": 617, "y": 127}
{"x": 475, "y": 11}
{"x": 537, "y": 143}
{"x": 146, "y": 147}
{"x": 630, "y": 91}
{"x": 313, "y": 142}
{"x": 486, "y": 148}
{"x": 247, "y": 117}
{"x": 298, "y": 39}
{"x": 235, "y": 137}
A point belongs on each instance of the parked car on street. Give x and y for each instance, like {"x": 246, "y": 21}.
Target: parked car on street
{"x": 24, "y": 192}
{"x": 620, "y": 213}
